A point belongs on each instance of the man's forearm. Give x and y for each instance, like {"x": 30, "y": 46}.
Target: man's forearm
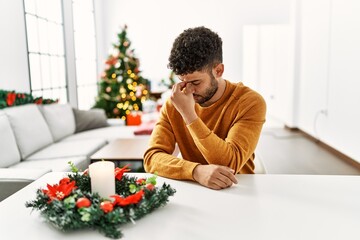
{"x": 167, "y": 165}
{"x": 232, "y": 153}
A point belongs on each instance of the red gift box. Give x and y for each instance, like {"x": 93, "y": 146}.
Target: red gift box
{"x": 133, "y": 118}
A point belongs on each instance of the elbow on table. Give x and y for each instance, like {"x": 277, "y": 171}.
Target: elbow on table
{"x": 245, "y": 165}
{"x": 242, "y": 164}
{"x": 149, "y": 161}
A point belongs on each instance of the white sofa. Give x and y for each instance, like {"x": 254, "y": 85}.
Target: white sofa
{"x": 36, "y": 139}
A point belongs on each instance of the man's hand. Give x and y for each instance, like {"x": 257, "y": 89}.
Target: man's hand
{"x": 214, "y": 176}
{"x": 183, "y": 100}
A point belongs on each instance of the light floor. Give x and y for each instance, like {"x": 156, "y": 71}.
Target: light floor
{"x": 288, "y": 152}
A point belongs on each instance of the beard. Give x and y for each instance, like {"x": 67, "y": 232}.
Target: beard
{"x": 209, "y": 92}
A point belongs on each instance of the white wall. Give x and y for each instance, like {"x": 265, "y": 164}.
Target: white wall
{"x": 308, "y": 70}
{"x": 153, "y": 26}
{"x": 330, "y": 50}
{"x": 268, "y": 59}
{"x": 14, "y": 72}
{"x": 314, "y": 26}
{"x": 344, "y": 78}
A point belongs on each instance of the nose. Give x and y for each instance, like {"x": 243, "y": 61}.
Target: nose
{"x": 190, "y": 86}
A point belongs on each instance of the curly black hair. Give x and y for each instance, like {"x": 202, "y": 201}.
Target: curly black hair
{"x": 195, "y": 49}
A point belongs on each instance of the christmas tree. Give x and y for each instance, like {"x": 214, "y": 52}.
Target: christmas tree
{"x": 122, "y": 88}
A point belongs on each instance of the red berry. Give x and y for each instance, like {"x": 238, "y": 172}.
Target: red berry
{"x": 150, "y": 186}
{"x": 83, "y": 202}
{"x": 106, "y": 206}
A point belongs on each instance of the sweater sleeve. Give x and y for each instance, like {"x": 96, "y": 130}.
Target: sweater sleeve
{"x": 158, "y": 158}
{"x": 241, "y": 139}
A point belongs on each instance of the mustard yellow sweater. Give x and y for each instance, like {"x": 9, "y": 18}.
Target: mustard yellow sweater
{"x": 225, "y": 133}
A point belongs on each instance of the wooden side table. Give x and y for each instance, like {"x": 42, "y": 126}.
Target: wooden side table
{"x": 124, "y": 151}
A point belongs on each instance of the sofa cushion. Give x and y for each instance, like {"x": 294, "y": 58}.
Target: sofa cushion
{"x": 90, "y": 119}
{"x": 21, "y": 175}
{"x": 9, "y": 152}
{"x": 29, "y": 127}
{"x": 12, "y": 180}
{"x": 106, "y": 133}
{"x": 55, "y": 164}
{"x": 69, "y": 149}
{"x": 60, "y": 118}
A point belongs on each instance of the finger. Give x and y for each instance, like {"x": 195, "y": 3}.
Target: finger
{"x": 224, "y": 181}
{"x": 220, "y": 183}
{"x": 221, "y": 180}
{"x": 175, "y": 91}
{"x": 184, "y": 90}
{"x": 178, "y": 87}
{"x": 215, "y": 186}
{"x": 229, "y": 173}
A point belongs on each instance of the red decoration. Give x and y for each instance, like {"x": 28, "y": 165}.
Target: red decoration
{"x": 65, "y": 180}
{"x": 141, "y": 181}
{"x": 132, "y": 199}
{"x": 116, "y": 111}
{"x": 59, "y": 191}
{"x": 106, "y": 206}
{"x": 39, "y": 101}
{"x": 83, "y": 202}
{"x": 145, "y": 128}
{"x": 119, "y": 172}
{"x": 150, "y": 186}
{"x": 112, "y": 61}
{"x": 133, "y": 119}
{"x": 10, "y": 98}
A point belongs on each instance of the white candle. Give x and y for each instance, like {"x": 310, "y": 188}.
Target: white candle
{"x": 102, "y": 175}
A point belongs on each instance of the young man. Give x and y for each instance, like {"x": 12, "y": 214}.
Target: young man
{"x": 215, "y": 123}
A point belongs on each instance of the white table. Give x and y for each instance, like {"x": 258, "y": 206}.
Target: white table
{"x": 259, "y": 207}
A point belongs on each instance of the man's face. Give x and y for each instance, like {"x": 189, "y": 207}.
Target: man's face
{"x": 204, "y": 84}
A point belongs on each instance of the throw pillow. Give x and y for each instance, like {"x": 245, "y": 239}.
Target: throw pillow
{"x": 60, "y": 119}
{"x": 30, "y": 129}
{"x": 89, "y": 119}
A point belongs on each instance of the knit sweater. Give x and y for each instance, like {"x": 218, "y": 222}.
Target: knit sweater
{"x": 225, "y": 133}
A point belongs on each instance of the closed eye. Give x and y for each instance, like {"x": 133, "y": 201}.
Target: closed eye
{"x": 195, "y": 83}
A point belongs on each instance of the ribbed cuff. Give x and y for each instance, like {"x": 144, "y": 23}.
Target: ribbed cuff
{"x": 188, "y": 170}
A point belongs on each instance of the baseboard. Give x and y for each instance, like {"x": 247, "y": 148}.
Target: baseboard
{"x": 332, "y": 150}
{"x": 292, "y": 129}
